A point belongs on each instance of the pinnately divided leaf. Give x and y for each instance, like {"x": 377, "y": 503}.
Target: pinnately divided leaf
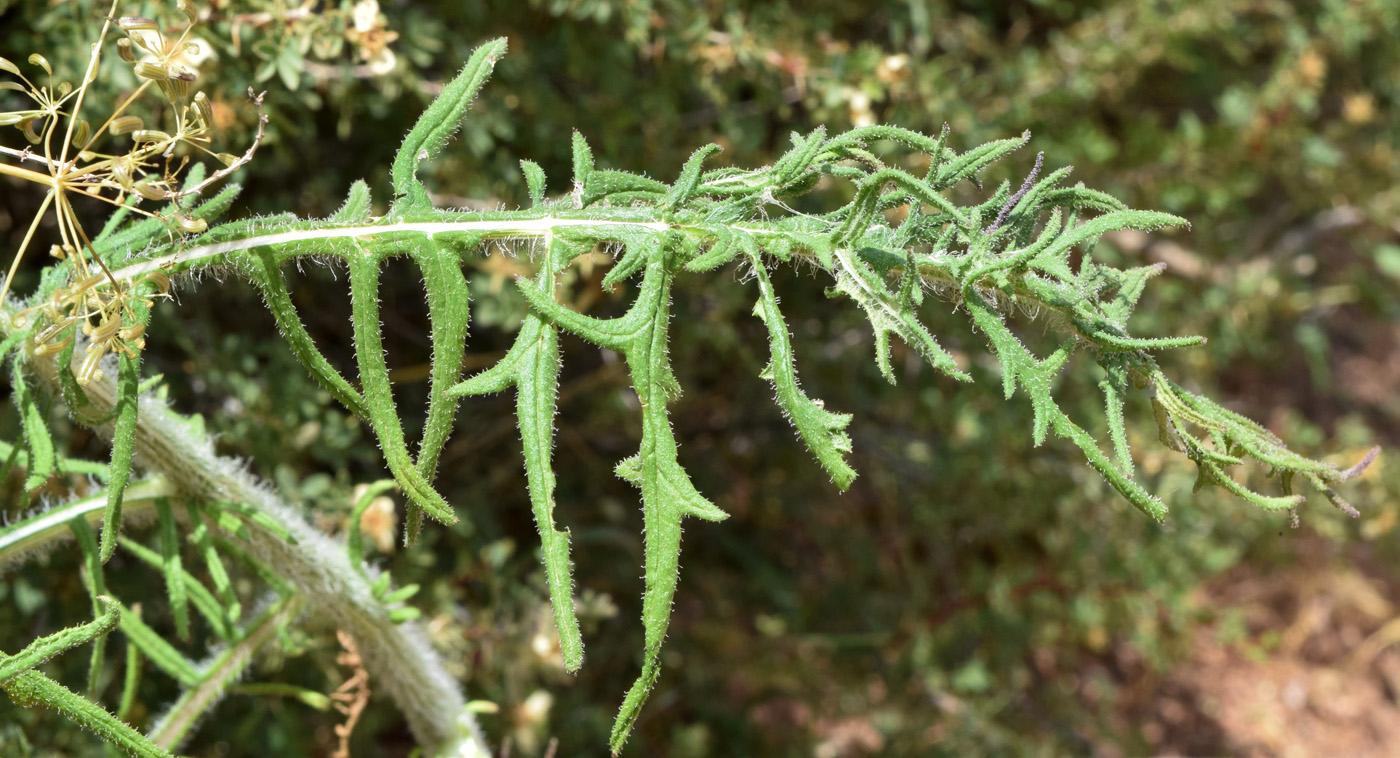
{"x": 893, "y": 241}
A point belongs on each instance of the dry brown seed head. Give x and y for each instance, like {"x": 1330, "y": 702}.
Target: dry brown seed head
{"x": 125, "y": 125}
{"x": 88, "y": 371}
{"x": 177, "y": 87}
{"x": 191, "y": 225}
{"x": 149, "y": 135}
{"x": 203, "y": 109}
{"x": 133, "y": 333}
{"x": 52, "y": 331}
{"x": 48, "y": 348}
{"x": 121, "y": 172}
{"x": 149, "y": 191}
{"x": 153, "y": 70}
{"x": 187, "y": 8}
{"x": 161, "y": 281}
{"x": 137, "y": 24}
{"x": 107, "y": 328}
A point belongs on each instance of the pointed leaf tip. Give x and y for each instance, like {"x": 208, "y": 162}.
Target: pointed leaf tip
{"x": 1362, "y": 465}
{"x": 440, "y": 121}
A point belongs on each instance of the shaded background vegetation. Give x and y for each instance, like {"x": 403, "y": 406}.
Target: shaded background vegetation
{"x": 969, "y": 594}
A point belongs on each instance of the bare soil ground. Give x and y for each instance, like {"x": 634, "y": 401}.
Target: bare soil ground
{"x": 1315, "y": 670}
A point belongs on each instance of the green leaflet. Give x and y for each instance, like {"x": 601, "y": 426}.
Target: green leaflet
{"x": 203, "y": 542}
{"x": 685, "y": 186}
{"x": 97, "y": 588}
{"x": 224, "y": 512}
{"x": 667, "y": 495}
{"x": 266, "y": 270}
{"x": 888, "y": 315}
{"x": 640, "y": 248}
{"x": 41, "y": 459}
{"x": 438, "y": 123}
{"x": 725, "y": 245}
{"x": 1115, "y": 390}
{"x": 33, "y": 689}
{"x": 214, "y": 611}
{"x": 174, "y": 571}
{"x": 131, "y": 680}
{"x": 970, "y": 163}
{"x": 379, "y": 398}
{"x": 799, "y": 159}
{"x": 29, "y": 688}
{"x": 124, "y": 410}
{"x": 534, "y": 181}
{"x": 1020, "y": 367}
{"x": 532, "y": 367}
{"x": 157, "y": 650}
{"x": 583, "y": 165}
{"x": 822, "y": 431}
{"x": 123, "y": 444}
{"x": 45, "y": 648}
{"x": 449, "y": 311}
{"x": 356, "y": 209}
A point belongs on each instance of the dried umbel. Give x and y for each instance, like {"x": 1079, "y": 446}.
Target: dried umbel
{"x": 94, "y": 308}
{"x": 127, "y": 160}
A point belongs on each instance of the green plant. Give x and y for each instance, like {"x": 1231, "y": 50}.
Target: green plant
{"x": 895, "y": 238}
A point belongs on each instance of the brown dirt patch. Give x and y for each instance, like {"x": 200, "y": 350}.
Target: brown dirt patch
{"x": 1300, "y": 663}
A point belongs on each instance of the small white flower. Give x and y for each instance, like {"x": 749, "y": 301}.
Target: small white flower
{"x": 859, "y": 105}
{"x": 536, "y": 707}
{"x": 366, "y": 14}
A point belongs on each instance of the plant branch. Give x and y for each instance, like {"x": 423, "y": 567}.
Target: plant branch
{"x": 397, "y": 654}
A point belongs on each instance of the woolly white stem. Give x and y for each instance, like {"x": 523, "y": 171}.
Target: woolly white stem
{"x": 522, "y": 229}
{"x": 398, "y": 656}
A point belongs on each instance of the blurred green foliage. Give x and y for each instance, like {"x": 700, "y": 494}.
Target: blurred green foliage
{"x": 969, "y": 595}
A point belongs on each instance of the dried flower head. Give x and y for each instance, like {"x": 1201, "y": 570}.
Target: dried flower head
{"x": 123, "y": 162}
{"x": 370, "y": 33}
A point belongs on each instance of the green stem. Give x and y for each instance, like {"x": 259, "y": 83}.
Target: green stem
{"x": 50, "y": 528}
{"x": 219, "y": 673}
{"x": 397, "y": 655}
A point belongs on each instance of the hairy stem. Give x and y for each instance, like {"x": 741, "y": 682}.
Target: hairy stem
{"x": 49, "y": 528}
{"x": 223, "y": 670}
{"x": 398, "y": 655}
